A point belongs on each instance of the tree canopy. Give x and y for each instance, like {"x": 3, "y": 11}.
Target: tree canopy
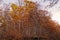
{"x": 28, "y": 21}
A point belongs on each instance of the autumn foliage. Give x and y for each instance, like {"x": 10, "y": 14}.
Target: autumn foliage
{"x": 28, "y": 21}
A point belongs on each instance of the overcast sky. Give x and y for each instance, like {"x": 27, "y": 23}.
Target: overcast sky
{"x": 55, "y": 10}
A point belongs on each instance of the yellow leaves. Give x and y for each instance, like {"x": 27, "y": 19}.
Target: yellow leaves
{"x": 14, "y": 16}
{"x": 15, "y": 13}
{"x": 25, "y": 0}
{"x": 14, "y": 6}
{"x": 2, "y": 21}
{"x": 22, "y": 12}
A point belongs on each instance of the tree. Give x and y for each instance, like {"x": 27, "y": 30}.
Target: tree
{"x": 28, "y": 21}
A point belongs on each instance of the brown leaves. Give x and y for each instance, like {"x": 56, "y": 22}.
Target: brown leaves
{"x": 27, "y": 21}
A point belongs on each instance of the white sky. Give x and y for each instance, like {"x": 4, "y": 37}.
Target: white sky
{"x": 10, "y": 1}
{"x": 55, "y": 10}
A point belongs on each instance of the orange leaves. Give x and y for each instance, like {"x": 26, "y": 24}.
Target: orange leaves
{"x": 27, "y": 20}
{"x": 30, "y": 6}
{"x": 14, "y": 16}
{"x": 21, "y": 12}
{"x": 13, "y": 13}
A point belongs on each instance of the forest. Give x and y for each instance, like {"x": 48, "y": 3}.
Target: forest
{"x": 27, "y": 23}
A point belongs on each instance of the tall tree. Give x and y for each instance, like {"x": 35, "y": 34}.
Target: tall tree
{"x": 27, "y": 21}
